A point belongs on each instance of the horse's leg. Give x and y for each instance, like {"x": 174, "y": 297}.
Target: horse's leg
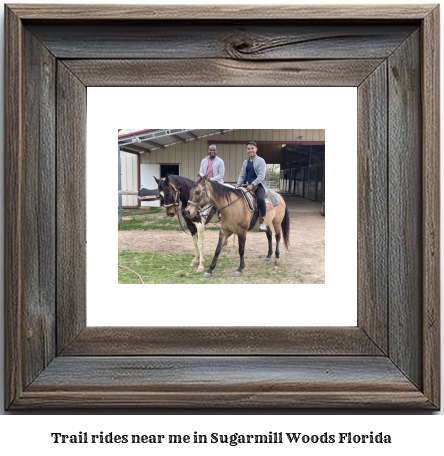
{"x": 193, "y": 231}
{"x": 270, "y": 244}
{"x": 196, "y": 257}
{"x": 226, "y": 242}
{"x": 200, "y": 238}
{"x": 233, "y": 249}
{"x": 277, "y": 230}
{"x": 222, "y": 241}
{"x": 242, "y": 236}
{"x": 278, "y": 239}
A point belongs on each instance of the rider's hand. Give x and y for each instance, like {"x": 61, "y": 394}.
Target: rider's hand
{"x": 237, "y": 185}
{"x": 249, "y": 188}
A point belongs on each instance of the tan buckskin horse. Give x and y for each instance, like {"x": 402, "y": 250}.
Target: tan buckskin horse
{"x": 236, "y": 218}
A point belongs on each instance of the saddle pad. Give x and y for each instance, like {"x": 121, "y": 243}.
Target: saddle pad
{"x": 146, "y": 194}
{"x": 273, "y": 198}
{"x": 143, "y": 192}
{"x": 250, "y": 199}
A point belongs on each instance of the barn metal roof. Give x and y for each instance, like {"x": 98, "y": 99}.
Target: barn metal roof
{"x": 144, "y": 141}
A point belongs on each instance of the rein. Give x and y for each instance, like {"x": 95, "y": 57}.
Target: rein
{"x": 176, "y": 205}
{"x": 180, "y": 224}
{"x": 203, "y": 216}
{"x": 205, "y": 191}
{"x": 248, "y": 191}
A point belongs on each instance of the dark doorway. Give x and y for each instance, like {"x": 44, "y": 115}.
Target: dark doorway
{"x": 312, "y": 184}
{"x": 169, "y": 169}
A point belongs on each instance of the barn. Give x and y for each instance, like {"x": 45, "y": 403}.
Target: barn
{"x": 144, "y": 154}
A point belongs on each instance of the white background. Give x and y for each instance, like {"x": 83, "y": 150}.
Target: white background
{"x": 412, "y": 434}
{"x": 329, "y": 304}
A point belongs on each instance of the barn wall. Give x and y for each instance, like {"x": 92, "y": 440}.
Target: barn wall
{"x": 190, "y": 155}
{"x": 129, "y": 169}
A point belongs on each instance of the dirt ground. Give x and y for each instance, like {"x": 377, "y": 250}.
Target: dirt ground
{"x": 307, "y": 238}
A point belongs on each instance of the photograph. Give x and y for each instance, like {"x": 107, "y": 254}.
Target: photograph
{"x": 215, "y": 206}
{"x": 268, "y": 70}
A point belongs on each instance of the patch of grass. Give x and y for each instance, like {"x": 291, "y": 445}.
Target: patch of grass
{"x": 174, "y": 268}
{"x": 128, "y": 277}
{"x": 149, "y": 223}
{"x": 152, "y": 219}
{"x": 143, "y": 212}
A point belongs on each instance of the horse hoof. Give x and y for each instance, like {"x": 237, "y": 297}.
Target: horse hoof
{"x": 267, "y": 259}
{"x": 277, "y": 262}
{"x": 200, "y": 269}
{"x": 207, "y": 275}
{"x": 237, "y": 274}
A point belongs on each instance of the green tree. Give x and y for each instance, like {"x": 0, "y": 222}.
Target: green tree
{"x": 273, "y": 174}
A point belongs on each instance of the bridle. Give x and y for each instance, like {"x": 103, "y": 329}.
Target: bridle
{"x": 197, "y": 205}
{"x": 175, "y": 203}
{"x": 205, "y": 207}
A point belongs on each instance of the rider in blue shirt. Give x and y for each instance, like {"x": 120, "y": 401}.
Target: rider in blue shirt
{"x": 253, "y": 173}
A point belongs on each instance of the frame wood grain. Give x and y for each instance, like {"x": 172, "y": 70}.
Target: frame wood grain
{"x": 390, "y": 360}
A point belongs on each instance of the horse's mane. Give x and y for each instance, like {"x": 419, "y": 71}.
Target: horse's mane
{"x": 180, "y": 181}
{"x": 183, "y": 184}
{"x": 223, "y": 191}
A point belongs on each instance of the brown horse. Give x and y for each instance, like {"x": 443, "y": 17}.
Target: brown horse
{"x": 175, "y": 192}
{"x": 236, "y": 218}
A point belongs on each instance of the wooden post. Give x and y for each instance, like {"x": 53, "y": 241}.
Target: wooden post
{"x": 120, "y": 184}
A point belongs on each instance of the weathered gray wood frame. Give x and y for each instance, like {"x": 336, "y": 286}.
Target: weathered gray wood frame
{"x": 390, "y": 360}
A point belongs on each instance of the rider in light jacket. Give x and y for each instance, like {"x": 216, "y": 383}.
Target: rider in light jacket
{"x": 212, "y": 166}
{"x": 253, "y": 173}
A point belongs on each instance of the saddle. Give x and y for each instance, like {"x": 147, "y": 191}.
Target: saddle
{"x": 146, "y": 194}
{"x": 271, "y": 200}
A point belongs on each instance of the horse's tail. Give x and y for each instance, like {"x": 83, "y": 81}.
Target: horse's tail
{"x": 285, "y": 224}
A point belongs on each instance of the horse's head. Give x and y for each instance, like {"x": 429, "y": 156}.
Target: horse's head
{"x": 199, "y": 198}
{"x": 169, "y": 194}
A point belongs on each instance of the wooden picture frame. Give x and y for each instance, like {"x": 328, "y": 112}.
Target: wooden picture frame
{"x": 390, "y": 360}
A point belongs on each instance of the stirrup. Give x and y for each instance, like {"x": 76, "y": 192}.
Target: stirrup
{"x": 262, "y": 227}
